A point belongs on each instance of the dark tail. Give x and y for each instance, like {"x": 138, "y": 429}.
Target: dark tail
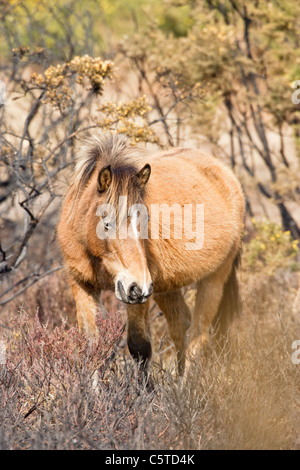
{"x": 230, "y": 305}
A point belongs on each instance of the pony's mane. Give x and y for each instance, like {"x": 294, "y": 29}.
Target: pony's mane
{"x": 97, "y": 146}
{"x": 99, "y": 149}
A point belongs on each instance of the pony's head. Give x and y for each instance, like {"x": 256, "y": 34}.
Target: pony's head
{"x": 111, "y": 186}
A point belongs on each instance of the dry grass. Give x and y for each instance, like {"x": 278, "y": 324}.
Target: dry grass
{"x": 243, "y": 397}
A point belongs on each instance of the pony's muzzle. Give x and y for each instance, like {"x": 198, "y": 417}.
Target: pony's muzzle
{"x": 134, "y": 293}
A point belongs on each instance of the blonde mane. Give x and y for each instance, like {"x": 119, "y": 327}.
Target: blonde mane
{"x": 97, "y": 150}
{"x": 107, "y": 148}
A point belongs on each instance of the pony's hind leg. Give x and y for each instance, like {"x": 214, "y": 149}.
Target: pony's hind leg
{"x": 217, "y": 302}
{"x": 178, "y": 317}
{"x": 208, "y": 297}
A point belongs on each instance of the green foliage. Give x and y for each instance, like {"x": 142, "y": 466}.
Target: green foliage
{"x": 270, "y": 248}
{"x": 69, "y": 27}
{"x": 176, "y": 20}
{"x": 64, "y": 27}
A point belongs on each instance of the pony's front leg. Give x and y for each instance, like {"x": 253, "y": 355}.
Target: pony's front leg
{"x": 138, "y": 336}
{"x": 87, "y": 307}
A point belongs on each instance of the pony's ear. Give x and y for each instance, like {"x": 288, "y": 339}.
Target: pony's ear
{"x": 104, "y": 179}
{"x": 141, "y": 178}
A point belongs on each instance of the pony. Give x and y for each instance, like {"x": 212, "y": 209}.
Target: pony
{"x": 159, "y": 185}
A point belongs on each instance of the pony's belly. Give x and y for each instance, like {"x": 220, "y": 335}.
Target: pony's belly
{"x": 172, "y": 266}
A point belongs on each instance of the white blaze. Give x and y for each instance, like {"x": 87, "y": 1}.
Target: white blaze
{"x": 139, "y": 216}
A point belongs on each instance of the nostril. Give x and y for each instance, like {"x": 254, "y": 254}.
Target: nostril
{"x": 134, "y": 291}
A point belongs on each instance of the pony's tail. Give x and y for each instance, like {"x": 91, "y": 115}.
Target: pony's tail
{"x": 230, "y": 306}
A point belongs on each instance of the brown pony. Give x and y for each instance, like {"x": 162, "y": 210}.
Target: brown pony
{"x": 135, "y": 266}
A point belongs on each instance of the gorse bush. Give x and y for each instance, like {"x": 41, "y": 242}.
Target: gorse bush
{"x": 270, "y": 248}
{"x": 56, "y": 80}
